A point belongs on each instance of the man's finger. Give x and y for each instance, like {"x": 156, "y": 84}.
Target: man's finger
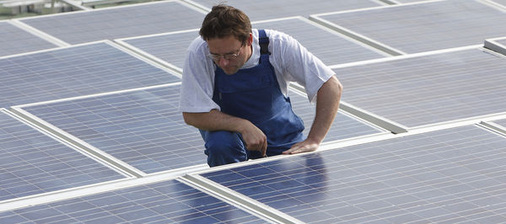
{"x": 264, "y": 148}
{"x": 292, "y": 150}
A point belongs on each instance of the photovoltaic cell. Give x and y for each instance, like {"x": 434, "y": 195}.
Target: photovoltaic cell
{"x": 168, "y": 47}
{"x": 33, "y": 163}
{"x": 165, "y": 202}
{"x": 429, "y": 89}
{"x": 74, "y": 71}
{"x": 343, "y": 127}
{"x": 452, "y": 175}
{"x": 142, "y": 128}
{"x": 427, "y": 26}
{"x": 265, "y": 9}
{"x": 336, "y": 50}
{"x": 14, "y": 40}
{"x": 118, "y": 22}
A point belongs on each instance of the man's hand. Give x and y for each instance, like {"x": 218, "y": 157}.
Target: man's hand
{"x": 307, "y": 145}
{"x": 254, "y": 139}
{"x": 214, "y": 120}
{"x": 327, "y": 104}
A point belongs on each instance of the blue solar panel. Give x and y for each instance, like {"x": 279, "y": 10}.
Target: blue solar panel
{"x": 429, "y": 89}
{"x": 168, "y": 47}
{"x": 142, "y": 128}
{"x": 118, "y": 22}
{"x": 165, "y": 202}
{"x": 74, "y": 71}
{"x": 33, "y": 163}
{"x": 452, "y": 23}
{"x": 343, "y": 127}
{"x": 336, "y": 50}
{"x": 452, "y": 175}
{"x": 265, "y": 9}
{"x": 14, "y": 40}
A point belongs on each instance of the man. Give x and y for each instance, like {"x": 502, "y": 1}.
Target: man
{"x": 234, "y": 88}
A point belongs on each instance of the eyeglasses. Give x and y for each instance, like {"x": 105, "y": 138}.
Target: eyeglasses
{"x": 229, "y": 56}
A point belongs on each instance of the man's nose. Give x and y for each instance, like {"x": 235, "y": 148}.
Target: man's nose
{"x": 223, "y": 62}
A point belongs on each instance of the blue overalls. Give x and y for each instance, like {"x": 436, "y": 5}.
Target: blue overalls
{"x": 252, "y": 94}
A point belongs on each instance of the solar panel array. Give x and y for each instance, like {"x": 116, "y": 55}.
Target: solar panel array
{"x": 405, "y": 30}
{"x": 90, "y": 129}
{"x": 14, "y": 40}
{"x": 432, "y": 177}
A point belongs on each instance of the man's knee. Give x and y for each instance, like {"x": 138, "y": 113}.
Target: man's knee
{"x": 223, "y": 147}
{"x": 218, "y": 141}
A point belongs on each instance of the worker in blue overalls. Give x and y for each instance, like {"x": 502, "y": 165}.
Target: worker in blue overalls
{"x": 234, "y": 90}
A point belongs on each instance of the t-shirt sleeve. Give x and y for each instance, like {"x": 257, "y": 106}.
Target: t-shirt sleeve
{"x": 300, "y": 65}
{"x": 197, "y": 80}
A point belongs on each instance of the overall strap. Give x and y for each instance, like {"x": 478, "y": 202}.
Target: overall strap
{"x": 263, "y": 40}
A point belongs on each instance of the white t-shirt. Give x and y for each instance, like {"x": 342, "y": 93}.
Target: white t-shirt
{"x": 291, "y": 61}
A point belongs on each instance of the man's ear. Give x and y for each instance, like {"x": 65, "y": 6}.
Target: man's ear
{"x": 249, "y": 42}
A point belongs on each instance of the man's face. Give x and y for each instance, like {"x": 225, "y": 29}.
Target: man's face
{"x": 229, "y": 53}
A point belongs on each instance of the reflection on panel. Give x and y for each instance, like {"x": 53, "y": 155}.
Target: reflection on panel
{"x": 451, "y": 175}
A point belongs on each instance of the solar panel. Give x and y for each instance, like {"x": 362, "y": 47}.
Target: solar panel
{"x": 142, "y": 128}
{"x": 407, "y": 28}
{"x": 451, "y": 175}
{"x": 118, "y": 22}
{"x": 344, "y": 126}
{"x": 168, "y": 47}
{"x": 430, "y": 89}
{"x": 165, "y": 202}
{"x": 265, "y": 9}
{"x": 33, "y": 163}
{"x": 336, "y": 50}
{"x": 74, "y": 71}
{"x": 14, "y": 40}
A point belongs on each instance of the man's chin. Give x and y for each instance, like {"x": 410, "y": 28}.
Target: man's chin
{"x": 230, "y": 71}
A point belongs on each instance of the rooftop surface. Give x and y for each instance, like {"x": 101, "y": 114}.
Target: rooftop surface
{"x": 90, "y": 130}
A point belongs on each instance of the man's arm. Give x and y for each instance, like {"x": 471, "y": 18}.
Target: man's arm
{"x": 215, "y": 120}
{"x": 327, "y": 104}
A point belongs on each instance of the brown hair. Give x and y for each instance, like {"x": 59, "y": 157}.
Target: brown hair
{"x": 224, "y": 21}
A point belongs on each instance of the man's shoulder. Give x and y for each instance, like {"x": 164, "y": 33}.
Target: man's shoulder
{"x": 279, "y": 38}
{"x": 197, "y": 44}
